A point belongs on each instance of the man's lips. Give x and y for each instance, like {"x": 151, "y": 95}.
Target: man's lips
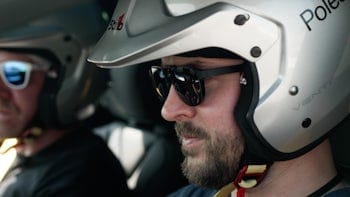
{"x": 190, "y": 141}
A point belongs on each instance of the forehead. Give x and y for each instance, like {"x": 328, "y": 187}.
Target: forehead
{"x": 199, "y": 61}
{"x": 36, "y": 60}
{"x": 4, "y": 55}
{"x": 205, "y": 57}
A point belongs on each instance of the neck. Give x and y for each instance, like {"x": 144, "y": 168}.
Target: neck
{"x": 32, "y": 146}
{"x": 300, "y": 176}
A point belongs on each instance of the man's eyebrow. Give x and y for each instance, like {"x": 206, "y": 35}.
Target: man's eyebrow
{"x": 206, "y": 63}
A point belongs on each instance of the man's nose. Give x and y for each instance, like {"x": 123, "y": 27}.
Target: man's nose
{"x": 174, "y": 109}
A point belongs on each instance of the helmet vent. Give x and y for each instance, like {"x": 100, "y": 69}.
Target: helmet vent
{"x": 255, "y": 51}
{"x": 306, "y": 123}
{"x": 67, "y": 38}
{"x": 69, "y": 58}
{"x": 293, "y": 90}
{"x": 241, "y": 19}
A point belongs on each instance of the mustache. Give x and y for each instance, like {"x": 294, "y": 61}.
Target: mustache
{"x": 189, "y": 130}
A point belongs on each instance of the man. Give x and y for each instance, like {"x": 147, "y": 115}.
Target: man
{"x": 46, "y": 91}
{"x": 255, "y": 87}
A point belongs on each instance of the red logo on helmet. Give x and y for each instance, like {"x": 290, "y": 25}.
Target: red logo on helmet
{"x": 120, "y": 22}
{"x": 117, "y": 24}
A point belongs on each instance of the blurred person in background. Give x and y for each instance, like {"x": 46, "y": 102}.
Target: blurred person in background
{"x": 47, "y": 89}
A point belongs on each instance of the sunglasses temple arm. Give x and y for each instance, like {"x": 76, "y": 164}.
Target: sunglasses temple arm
{"x": 219, "y": 71}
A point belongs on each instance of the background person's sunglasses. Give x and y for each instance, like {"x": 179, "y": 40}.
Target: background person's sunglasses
{"x": 16, "y": 73}
{"x": 188, "y": 81}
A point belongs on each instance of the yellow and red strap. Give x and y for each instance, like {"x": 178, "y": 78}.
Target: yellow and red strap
{"x": 249, "y": 176}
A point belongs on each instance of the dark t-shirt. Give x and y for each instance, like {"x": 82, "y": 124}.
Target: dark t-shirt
{"x": 196, "y": 191}
{"x": 344, "y": 192}
{"x": 79, "y": 164}
{"x": 193, "y": 191}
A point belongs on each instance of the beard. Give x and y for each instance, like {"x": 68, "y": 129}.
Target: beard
{"x": 222, "y": 154}
{"x": 11, "y": 127}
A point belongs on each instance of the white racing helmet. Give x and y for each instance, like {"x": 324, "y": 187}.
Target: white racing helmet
{"x": 299, "y": 55}
{"x": 63, "y": 32}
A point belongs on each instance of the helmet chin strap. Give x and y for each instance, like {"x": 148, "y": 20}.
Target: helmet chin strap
{"x": 248, "y": 177}
{"x": 29, "y": 135}
{"x": 250, "y": 174}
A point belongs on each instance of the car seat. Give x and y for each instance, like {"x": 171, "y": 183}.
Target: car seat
{"x": 145, "y": 144}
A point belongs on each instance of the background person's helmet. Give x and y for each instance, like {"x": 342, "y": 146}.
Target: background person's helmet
{"x": 64, "y": 32}
{"x": 299, "y": 53}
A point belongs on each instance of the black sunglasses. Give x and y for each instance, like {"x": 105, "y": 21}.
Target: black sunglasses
{"x": 188, "y": 81}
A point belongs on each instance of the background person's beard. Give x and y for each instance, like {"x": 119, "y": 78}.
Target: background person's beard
{"x": 221, "y": 157}
{"x": 10, "y": 127}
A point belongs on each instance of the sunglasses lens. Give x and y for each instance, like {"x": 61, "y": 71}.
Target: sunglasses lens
{"x": 160, "y": 82}
{"x": 15, "y": 73}
{"x": 189, "y": 88}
